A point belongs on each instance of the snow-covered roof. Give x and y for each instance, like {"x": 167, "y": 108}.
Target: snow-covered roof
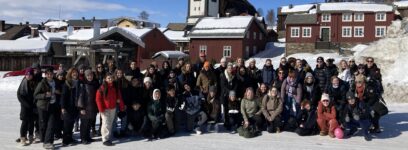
{"x": 169, "y": 54}
{"x": 33, "y": 46}
{"x": 227, "y": 27}
{"x": 84, "y": 34}
{"x": 356, "y": 7}
{"x": 401, "y": 4}
{"x": 56, "y": 24}
{"x": 54, "y": 35}
{"x": 297, "y": 8}
{"x": 177, "y": 36}
{"x": 132, "y": 34}
{"x": 1, "y": 33}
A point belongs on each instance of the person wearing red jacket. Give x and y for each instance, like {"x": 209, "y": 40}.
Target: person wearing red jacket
{"x": 107, "y": 98}
{"x": 326, "y": 116}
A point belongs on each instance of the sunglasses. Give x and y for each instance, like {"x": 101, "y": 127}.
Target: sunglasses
{"x": 325, "y": 101}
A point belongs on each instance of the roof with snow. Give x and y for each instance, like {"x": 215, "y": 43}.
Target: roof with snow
{"x": 401, "y": 4}
{"x": 225, "y": 27}
{"x": 56, "y": 24}
{"x": 31, "y": 46}
{"x": 54, "y": 35}
{"x": 84, "y": 34}
{"x": 170, "y": 55}
{"x": 354, "y": 7}
{"x": 301, "y": 19}
{"x": 176, "y": 36}
{"x": 297, "y": 8}
{"x": 133, "y": 34}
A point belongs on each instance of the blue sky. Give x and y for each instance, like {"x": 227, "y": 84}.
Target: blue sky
{"x": 161, "y": 11}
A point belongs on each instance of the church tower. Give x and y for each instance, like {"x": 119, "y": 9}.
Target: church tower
{"x": 202, "y": 8}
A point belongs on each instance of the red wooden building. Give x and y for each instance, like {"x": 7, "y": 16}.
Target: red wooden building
{"x": 230, "y": 37}
{"x": 337, "y": 25}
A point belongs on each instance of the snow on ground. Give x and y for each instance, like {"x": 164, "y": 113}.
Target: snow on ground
{"x": 395, "y": 126}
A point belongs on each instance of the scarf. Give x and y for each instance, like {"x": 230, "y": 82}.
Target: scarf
{"x": 360, "y": 92}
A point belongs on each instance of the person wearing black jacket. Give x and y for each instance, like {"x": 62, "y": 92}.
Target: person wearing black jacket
{"x": 187, "y": 76}
{"x": 310, "y": 91}
{"x": 337, "y": 91}
{"x": 356, "y": 114}
{"x": 228, "y": 82}
{"x": 25, "y": 95}
{"x": 243, "y": 81}
{"x": 321, "y": 74}
{"x": 69, "y": 102}
{"x": 46, "y": 102}
{"x": 135, "y": 112}
{"x": 306, "y": 120}
{"x": 172, "y": 104}
{"x": 87, "y": 106}
{"x": 254, "y": 74}
{"x": 156, "y": 114}
{"x": 134, "y": 71}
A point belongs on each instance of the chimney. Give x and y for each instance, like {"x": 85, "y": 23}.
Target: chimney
{"x": 2, "y": 25}
{"x": 97, "y": 28}
{"x": 185, "y": 33}
{"x": 21, "y": 24}
{"x": 34, "y": 32}
{"x": 290, "y": 6}
{"x": 70, "y": 30}
{"x": 27, "y": 23}
{"x": 227, "y": 14}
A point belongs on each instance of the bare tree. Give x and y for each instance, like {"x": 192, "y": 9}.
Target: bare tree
{"x": 144, "y": 15}
{"x": 270, "y": 17}
{"x": 260, "y": 12}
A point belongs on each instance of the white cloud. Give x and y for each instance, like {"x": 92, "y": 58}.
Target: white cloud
{"x": 40, "y": 10}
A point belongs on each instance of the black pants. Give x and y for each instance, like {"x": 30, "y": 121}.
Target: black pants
{"x": 375, "y": 121}
{"x": 272, "y": 125}
{"x": 256, "y": 120}
{"x": 85, "y": 129}
{"x": 47, "y": 123}
{"x": 234, "y": 120}
{"x": 69, "y": 121}
{"x": 27, "y": 126}
{"x": 227, "y": 123}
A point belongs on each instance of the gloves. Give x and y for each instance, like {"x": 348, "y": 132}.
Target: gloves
{"x": 182, "y": 106}
{"x": 347, "y": 119}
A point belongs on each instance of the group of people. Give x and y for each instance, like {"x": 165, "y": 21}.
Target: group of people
{"x": 198, "y": 98}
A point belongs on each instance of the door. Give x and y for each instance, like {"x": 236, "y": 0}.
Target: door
{"x": 325, "y": 34}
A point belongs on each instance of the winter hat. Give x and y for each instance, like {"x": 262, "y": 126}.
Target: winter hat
{"x": 49, "y": 69}
{"x": 325, "y": 97}
{"x": 360, "y": 78}
{"x": 309, "y": 75}
{"x": 350, "y": 95}
{"x": 29, "y": 72}
{"x": 154, "y": 91}
{"x": 147, "y": 79}
{"x": 206, "y": 64}
{"x": 231, "y": 93}
{"x": 81, "y": 66}
{"x": 212, "y": 89}
{"x": 88, "y": 72}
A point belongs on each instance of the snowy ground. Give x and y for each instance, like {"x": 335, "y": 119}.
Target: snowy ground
{"x": 395, "y": 126}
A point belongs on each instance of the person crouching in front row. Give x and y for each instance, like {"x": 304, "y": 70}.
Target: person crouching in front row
{"x": 326, "y": 116}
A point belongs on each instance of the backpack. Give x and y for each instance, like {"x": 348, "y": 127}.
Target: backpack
{"x": 248, "y": 132}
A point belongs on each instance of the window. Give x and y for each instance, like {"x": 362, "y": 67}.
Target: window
{"x": 380, "y": 17}
{"x": 294, "y": 31}
{"x": 307, "y": 32}
{"x": 203, "y": 49}
{"x": 227, "y": 51}
{"x": 248, "y": 35}
{"x": 347, "y": 17}
{"x": 326, "y": 17}
{"x": 260, "y": 36}
{"x": 254, "y": 50}
{"x": 346, "y": 32}
{"x": 358, "y": 17}
{"x": 254, "y": 35}
{"x": 358, "y": 31}
{"x": 380, "y": 31}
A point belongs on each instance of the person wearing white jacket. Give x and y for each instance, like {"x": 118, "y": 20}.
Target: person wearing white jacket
{"x": 344, "y": 71}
